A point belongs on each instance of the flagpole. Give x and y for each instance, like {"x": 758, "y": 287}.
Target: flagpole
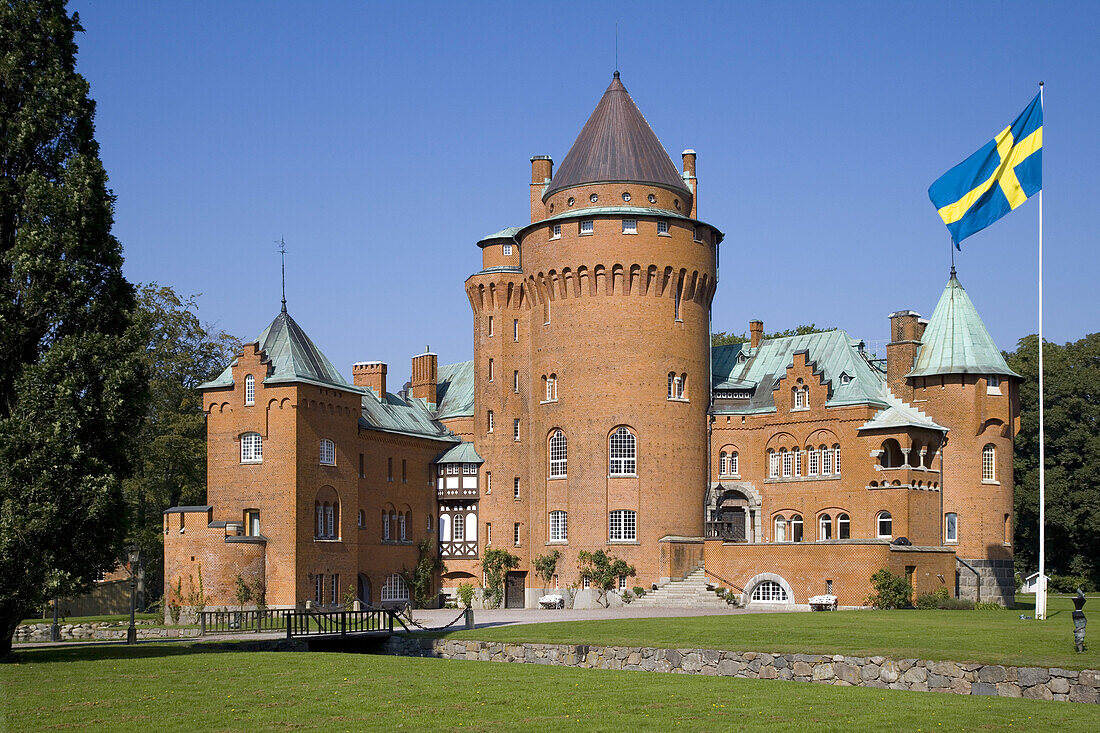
{"x": 1041, "y": 592}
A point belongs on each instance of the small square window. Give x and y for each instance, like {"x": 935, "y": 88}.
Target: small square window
{"x": 555, "y": 231}
{"x": 662, "y": 228}
{"x": 507, "y": 250}
{"x": 993, "y": 384}
{"x": 630, "y": 226}
{"x": 695, "y": 234}
{"x": 586, "y": 227}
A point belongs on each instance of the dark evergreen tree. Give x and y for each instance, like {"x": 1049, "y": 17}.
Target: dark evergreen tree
{"x": 72, "y": 382}
{"x": 1072, "y": 399}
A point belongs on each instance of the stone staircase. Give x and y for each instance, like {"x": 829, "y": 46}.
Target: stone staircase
{"x": 691, "y": 592}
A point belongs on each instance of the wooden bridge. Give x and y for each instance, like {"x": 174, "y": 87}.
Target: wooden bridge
{"x": 296, "y": 624}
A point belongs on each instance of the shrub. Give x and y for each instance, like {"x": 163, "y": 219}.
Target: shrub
{"x": 891, "y": 591}
{"x": 927, "y": 601}
{"x": 496, "y": 563}
{"x": 956, "y": 604}
{"x": 639, "y": 591}
{"x": 988, "y": 606}
{"x": 466, "y": 594}
{"x": 627, "y": 596}
{"x": 421, "y": 578}
{"x": 546, "y": 566}
{"x": 1069, "y": 584}
{"x": 603, "y": 570}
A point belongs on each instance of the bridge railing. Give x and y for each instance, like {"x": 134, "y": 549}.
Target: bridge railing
{"x": 329, "y": 623}
{"x": 231, "y": 622}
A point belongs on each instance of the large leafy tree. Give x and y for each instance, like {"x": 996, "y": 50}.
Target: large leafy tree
{"x": 169, "y": 459}
{"x": 1072, "y": 400}
{"x": 725, "y": 338}
{"x": 72, "y": 384}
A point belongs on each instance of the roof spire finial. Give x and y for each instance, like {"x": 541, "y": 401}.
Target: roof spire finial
{"x": 282, "y": 261}
{"x": 616, "y": 49}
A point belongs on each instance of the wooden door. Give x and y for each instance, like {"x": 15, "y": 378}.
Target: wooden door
{"x": 513, "y": 590}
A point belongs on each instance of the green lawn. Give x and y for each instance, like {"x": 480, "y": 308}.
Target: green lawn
{"x": 992, "y": 637}
{"x": 177, "y": 687}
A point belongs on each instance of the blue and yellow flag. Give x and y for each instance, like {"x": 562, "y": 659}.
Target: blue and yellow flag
{"x": 996, "y": 179}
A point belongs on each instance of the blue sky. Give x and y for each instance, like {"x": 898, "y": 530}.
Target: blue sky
{"x": 382, "y": 140}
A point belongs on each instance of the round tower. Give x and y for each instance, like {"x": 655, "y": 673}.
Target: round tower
{"x": 609, "y": 337}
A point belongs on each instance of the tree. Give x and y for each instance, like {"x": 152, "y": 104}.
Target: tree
{"x": 546, "y": 565}
{"x": 72, "y": 385}
{"x": 169, "y": 458}
{"x": 602, "y": 570}
{"x": 1072, "y": 401}
{"x": 495, "y": 563}
{"x": 724, "y": 338}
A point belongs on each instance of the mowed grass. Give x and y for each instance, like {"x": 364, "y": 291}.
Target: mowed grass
{"x": 989, "y": 637}
{"x": 176, "y": 687}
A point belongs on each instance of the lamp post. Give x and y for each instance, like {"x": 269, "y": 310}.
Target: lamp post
{"x": 133, "y": 560}
{"x": 55, "y": 630}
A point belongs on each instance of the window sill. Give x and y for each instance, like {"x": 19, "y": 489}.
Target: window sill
{"x": 547, "y": 402}
{"x": 328, "y": 540}
{"x": 987, "y": 482}
{"x": 554, "y": 238}
{"x": 950, "y": 542}
{"x": 557, "y": 542}
{"x": 800, "y": 409}
{"x": 734, "y": 476}
{"x": 253, "y": 404}
{"x": 556, "y": 478}
{"x": 251, "y": 463}
{"x": 679, "y": 399}
{"x": 622, "y": 475}
{"x": 586, "y": 234}
{"x": 630, "y": 233}
{"x": 623, "y": 542}
{"x": 330, "y": 465}
{"x": 993, "y": 390}
{"x": 663, "y": 234}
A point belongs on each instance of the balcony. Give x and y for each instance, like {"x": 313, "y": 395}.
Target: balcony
{"x": 726, "y": 531}
{"x": 441, "y": 493}
{"x": 458, "y": 550}
{"x": 913, "y": 477}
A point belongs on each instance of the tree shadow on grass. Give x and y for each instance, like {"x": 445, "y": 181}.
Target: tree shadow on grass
{"x": 87, "y": 652}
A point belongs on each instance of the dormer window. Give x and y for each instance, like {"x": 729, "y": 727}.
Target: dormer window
{"x": 630, "y": 226}
{"x": 249, "y": 390}
{"x": 741, "y": 358}
{"x": 845, "y": 378}
{"x": 586, "y": 227}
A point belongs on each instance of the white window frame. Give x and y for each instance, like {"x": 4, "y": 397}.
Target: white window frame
{"x": 662, "y": 229}
{"x": 824, "y": 527}
{"x": 489, "y": 422}
{"x": 951, "y": 527}
{"x": 630, "y": 226}
{"x": 559, "y": 526}
{"x": 490, "y": 370}
{"x": 515, "y": 381}
{"x": 989, "y": 464}
{"x": 785, "y": 455}
{"x": 797, "y": 528}
{"x": 515, "y": 429}
{"x": 812, "y": 461}
{"x": 826, "y": 461}
{"x": 468, "y": 469}
{"x": 319, "y": 589}
{"x": 555, "y": 231}
{"x": 734, "y": 463}
{"x": 515, "y": 488}
{"x": 769, "y": 591}
{"x": 797, "y": 462}
{"x": 587, "y": 228}
{"x": 385, "y": 526}
{"x": 515, "y": 534}
{"x": 249, "y": 389}
{"x": 836, "y": 460}
{"x": 507, "y": 250}
{"x": 515, "y": 330}
{"x": 884, "y": 516}
{"x": 622, "y": 525}
{"x": 402, "y": 528}
{"x": 458, "y": 527}
{"x": 395, "y": 589}
{"x": 552, "y": 388}
{"x": 993, "y": 384}
{"x": 252, "y": 448}
{"x": 328, "y": 452}
{"x": 843, "y": 522}
{"x": 773, "y": 464}
{"x": 780, "y": 529}
{"x": 623, "y": 452}
{"x": 558, "y": 451}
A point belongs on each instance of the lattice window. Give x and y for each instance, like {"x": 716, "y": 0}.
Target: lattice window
{"x": 559, "y": 526}
{"x": 769, "y": 592}
{"x": 559, "y": 455}
{"x": 624, "y": 453}
{"x": 328, "y": 452}
{"x": 989, "y": 463}
{"x": 622, "y": 525}
{"x": 395, "y": 589}
{"x": 252, "y": 448}
{"x": 249, "y": 390}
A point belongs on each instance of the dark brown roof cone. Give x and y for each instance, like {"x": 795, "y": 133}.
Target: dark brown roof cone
{"x": 617, "y": 144}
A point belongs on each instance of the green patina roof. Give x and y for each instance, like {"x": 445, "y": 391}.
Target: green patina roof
{"x": 507, "y": 233}
{"x": 899, "y": 414}
{"x": 461, "y": 453}
{"x": 292, "y": 357}
{"x": 455, "y": 390}
{"x": 956, "y": 340}
{"x": 394, "y": 414}
{"x": 833, "y": 352}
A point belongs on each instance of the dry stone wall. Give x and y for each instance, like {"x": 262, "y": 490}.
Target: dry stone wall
{"x": 880, "y": 672}
{"x": 98, "y": 630}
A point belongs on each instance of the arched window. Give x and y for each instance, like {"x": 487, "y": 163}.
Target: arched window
{"x": 319, "y": 519}
{"x": 989, "y": 463}
{"x": 459, "y": 532}
{"x": 797, "y": 461}
{"x": 559, "y": 454}
{"x": 843, "y": 527}
{"x": 836, "y": 459}
{"x": 780, "y": 528}
{"x": 951, "y": 527}
{"x": 812, "y": 461}
{"x": 801, "y": 396}
{"x": 773, "y": 464}
{"x": 249, "y": 390}
{"x": 559, "y": 526}
{"x": 683, "y": 386}
{"x": 395, "y": 589}
{"x": 677, "y": 385}
{"x": 722, "y": 464}
{"x": 826, "y": 461}
{"x": 328, "y": 452}
{"x": 785, "y": 455}
{"x": 824, "y": 527}
{"x": 402, "y": 522}
{"x": 734, "y": 469}
{"x": 622, "y": 525}
{"x": 552, "y": 388}
{"x": 362, "y": 520}
{"x": 252, "y": 448}
{"x": 624, "y": 453}
{"x": 489, "y": 423}
{"x": 769, "y": 592}
{"x": 385, "y": 526}
{"x": 885, "y": 525}
{"x": 796, "y": 528}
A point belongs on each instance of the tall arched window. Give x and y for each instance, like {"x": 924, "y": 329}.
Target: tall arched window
{"x": 319, "y": 517}
{"x": 249, "y": 390}
{"x": 385, "y": 525}
{"x": 402, "y": 523}
{"x": 489, "y": 422}
{"x": 989, "y": 463}
{"x": 796, "y": 528}
{"x": 328, "y": 452}
{"x": 824, "y": 527}
{"x": 843, "y": 527}
{"x": 624, "y": 453}
{"x": 252, "y": 448}
{"x": 459, "y": 531}
{"x": 885, "y": 525}
{"x": 559, "y": 454}
{"x": 836, "y": 459}
{"x": 559, "y": 526}
{"x": 826, "y": 461}
{"x": 734, "y": 468}
{"x": 395, "y": 589}
{"x": 552, "y": 388}
{"x": 780, "y": 528}
{"x": 951, "y": 527}
{"x": 797, "y": 452}
{"x": 362, "y": 519}
{"x": 812, "y": 461}
{"x": 785, "y": 455}
{"x": 801, "y": 396}
{"x": 773, "y": 464}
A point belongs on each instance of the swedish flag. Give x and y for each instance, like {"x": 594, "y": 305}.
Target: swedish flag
{"x": 996, "y": 179}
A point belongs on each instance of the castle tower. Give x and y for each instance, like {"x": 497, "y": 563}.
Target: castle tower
{"x": 959, "y": 378}
{"x": 592, "y": 350}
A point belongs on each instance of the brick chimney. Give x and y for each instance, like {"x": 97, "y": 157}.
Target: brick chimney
{"x": 756, "y": 333}
{"x": 906, "y": 330}
{"x": 691, "y": 180}
{"x": 370, "y": 374}
{"x": 423, "y": 383}
{"x": 542, "y": 170}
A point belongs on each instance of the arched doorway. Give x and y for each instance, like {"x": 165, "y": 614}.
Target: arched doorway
{"x": 729, "y": 518}
{"x": 363, "y": 589}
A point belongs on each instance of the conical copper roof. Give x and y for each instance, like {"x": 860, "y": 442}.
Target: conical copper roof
{"x": 617, "y": 144}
